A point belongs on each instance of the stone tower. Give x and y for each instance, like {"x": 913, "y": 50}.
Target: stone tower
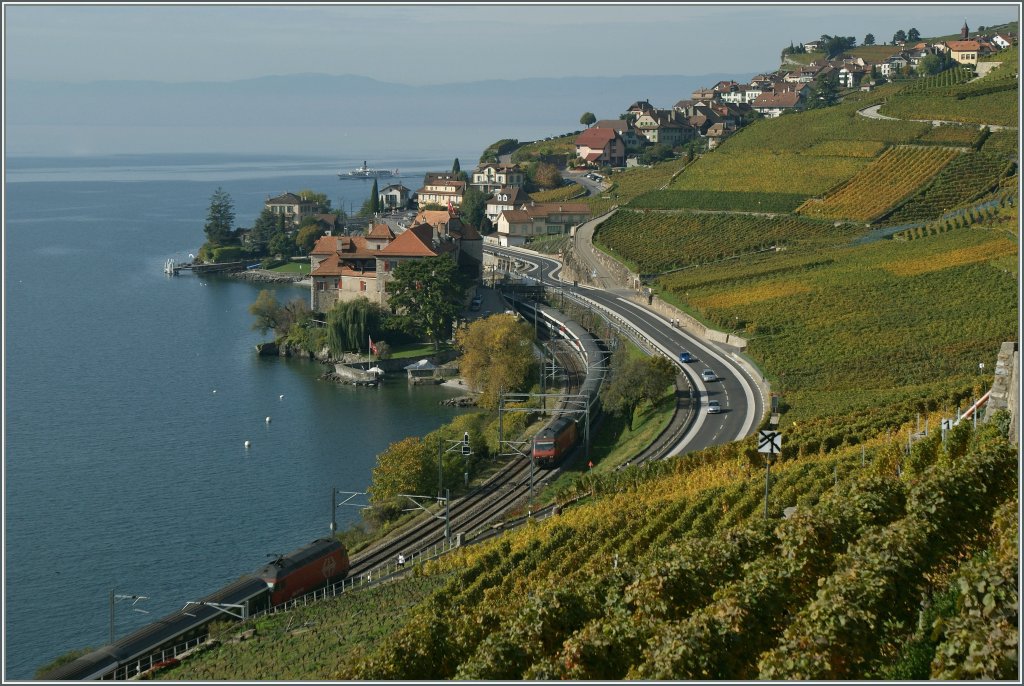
{"x": 964, "y": 31}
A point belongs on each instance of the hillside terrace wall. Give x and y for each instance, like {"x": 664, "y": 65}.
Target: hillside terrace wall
{"x": 1006, "y": 386}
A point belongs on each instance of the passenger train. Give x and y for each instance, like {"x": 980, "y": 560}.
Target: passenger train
{"x": 322, "y": 562}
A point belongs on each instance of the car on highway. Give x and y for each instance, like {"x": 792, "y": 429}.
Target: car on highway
{"x": 685, "y": 356}
{"x": 714, "y": 407}
{"x": 709, "y": 375}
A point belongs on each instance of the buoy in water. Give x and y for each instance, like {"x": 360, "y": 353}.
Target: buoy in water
{"x": 215, "y": 390}
{"x": 268, "y": 420}
{"x": 247, "y": 444}
{"x": 280, "y": 397}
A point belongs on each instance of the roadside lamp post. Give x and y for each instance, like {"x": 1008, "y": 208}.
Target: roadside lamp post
{"x": 114, "y": 597}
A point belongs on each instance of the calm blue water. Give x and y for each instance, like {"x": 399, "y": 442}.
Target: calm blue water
{"x": 123, "y": 468}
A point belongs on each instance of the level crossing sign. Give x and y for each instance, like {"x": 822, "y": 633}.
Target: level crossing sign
{"x": 769, "y": 442}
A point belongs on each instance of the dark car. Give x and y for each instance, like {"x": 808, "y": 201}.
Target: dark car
{"x": 685, "y": 356}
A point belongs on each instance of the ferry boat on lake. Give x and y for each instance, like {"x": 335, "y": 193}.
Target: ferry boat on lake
{"x": 365, "y": 172}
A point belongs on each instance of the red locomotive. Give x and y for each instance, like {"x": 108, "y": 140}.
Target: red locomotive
{"x": 554, "y": 441}
{"x": 322, "y": 562}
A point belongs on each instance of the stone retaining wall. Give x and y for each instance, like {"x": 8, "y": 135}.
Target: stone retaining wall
{"x": 1006, "y": 386}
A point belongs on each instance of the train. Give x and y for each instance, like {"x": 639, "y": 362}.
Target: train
{"x": 555, "y": 441}
{"x": 316, "y": 565}
{"x": 560, "y": 436}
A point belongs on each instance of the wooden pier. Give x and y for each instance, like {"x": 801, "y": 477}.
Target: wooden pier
{"x": 170, "y": 267}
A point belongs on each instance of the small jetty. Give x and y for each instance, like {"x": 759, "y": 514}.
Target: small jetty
{"x": 173, "y": 268}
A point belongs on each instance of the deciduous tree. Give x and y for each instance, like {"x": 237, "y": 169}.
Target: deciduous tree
{"x": 497, "y": 352}
{"x": 636, "y": 381}
{"x": 307, "y": 237}
{"x": 546, "y": 175}
{"x": 272, "y": 315}
{"x": 900, "y": 36}
{"x": 869, "y": 39}
{"x": 588, "y": 119}
{"x": 407, "y": 466}
{"x": 425, "y": 295}
{"x": 913, "y": 35}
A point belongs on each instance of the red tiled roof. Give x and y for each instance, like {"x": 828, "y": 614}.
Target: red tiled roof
{"x": 381, "y": 231}
{"x": 285, "y": 199}
{"x": 596, "y": 138}
{"x": 330, "y": 266}
{"x": 787, "y": 99}
{"x": 516, "y": 216}
{"x": 432, "y": 217}
{"x": 416, "y": 241}
{"x": 325, "y": 245}
{"x": 543, "y": 209}
{"x": 593, "y": 156}
{"x": 963, "y": 45}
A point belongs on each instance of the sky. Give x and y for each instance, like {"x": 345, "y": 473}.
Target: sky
{"x": 441, "y": 42}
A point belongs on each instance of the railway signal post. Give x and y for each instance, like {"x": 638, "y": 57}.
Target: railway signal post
{"x": 769, "y": 443}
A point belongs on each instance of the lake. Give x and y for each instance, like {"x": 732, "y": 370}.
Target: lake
{"x": 130, "y": 394}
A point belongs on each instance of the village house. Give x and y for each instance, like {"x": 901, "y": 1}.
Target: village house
{"x": 344, "y": 268}
{"x": 728, "y": 91}
{"x": 440, "y": 188}
{"x": 626, "y": 132}
{"x": 469, "y": 244}
{"x": 703, "y": 94}
{"x": 893, "y": 66}
{"x": 507, "y": 198}
{"x": 640, "y": 107}
{"x": 963, "y": 51}
{"x": 602, "y": 147}
{"x": 490, "y": 177}
{"x": 772, "y": 105}
{"x": 540, "y": 219}
{"x": 665, "y": 127}
{"x": 395, "y": 197}
{"x": 1003, "y": 41}
{"x": 292, "y": 207}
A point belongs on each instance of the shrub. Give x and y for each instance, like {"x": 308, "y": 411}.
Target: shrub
{"x": 228, "y": 253}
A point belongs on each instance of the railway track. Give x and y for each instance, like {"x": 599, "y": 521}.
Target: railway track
{"x": 474, "y": 514}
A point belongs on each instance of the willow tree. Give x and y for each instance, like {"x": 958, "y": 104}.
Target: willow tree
{"x": 497, "y": 353}
{"x": 350, "y": 325}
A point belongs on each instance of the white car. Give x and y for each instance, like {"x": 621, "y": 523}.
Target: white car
{"x": 709, "y": 375}
{"x": 714, "y": 407}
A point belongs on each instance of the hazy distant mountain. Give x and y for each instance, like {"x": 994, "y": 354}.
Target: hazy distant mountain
{"x": 317, "y": 99}
{"x": 296, "y": 105}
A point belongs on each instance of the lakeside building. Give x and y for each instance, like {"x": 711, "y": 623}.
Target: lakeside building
{"x": 292, "y": 207}
{"x": 344, "y": 268}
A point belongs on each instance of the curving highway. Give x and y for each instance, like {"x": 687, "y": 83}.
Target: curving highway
{"x": 735, "y": 389}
